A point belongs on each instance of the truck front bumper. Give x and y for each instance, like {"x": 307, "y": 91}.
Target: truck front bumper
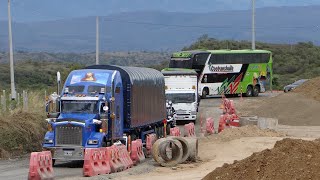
{"x": 67, "y": 153}
{"x": 185, "y": 117}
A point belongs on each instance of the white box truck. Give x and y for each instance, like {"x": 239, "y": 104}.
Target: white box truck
{"x": 181, "y": 89}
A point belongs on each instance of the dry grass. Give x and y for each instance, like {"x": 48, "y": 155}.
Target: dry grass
{"x": 23, "y": 131}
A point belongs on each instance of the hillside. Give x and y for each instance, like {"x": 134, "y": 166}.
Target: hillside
{"x": 119, "y": 58}
{"x": 38, "y": 70}
{"x": 163, "y": 31}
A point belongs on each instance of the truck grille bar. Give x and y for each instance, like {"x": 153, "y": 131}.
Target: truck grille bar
{"x": 67, "y": 135}
{"x": 182, "y": 112}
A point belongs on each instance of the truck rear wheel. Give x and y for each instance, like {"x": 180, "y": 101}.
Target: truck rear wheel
{"x": 205, "y": 92}
{"x": 256, "y": 91}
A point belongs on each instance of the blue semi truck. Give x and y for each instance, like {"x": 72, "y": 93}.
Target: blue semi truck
{"x": 102, "y": 105}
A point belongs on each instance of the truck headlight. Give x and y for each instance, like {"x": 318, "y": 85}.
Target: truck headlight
{"x": 193, "y": 112}
{"x": 96, "y": 121}
{"x": 48, "y": 141}
{"x": 93, "y": 141}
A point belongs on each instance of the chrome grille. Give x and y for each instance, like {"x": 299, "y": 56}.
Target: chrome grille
{"x": 182, "y": 112}
{"x": 67, "y": 135}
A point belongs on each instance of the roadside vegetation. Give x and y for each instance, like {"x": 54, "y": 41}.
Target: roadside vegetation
{"x": 22, "y": 131}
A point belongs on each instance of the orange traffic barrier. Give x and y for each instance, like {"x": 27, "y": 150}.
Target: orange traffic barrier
{"x": 115, "y": 162}
{"x": 222, "y": 123}
{"x": 189, "y": 130}
{"x": 124, "y": 156}
{"x": 232, "y": 109}
{"x": 40, "y": 166}
{"x": 210, "y": 126}
{"x": 141, "y": 155}
{"x": 234, "y": 120}
{"x": 175, "y": 131}
{"x": 227, "y": 121}
{"x": 96, "y": 162}
{"x": 137, "y": 154}
{"x": 91, "y": 165}
{"x": 151, "y": 139}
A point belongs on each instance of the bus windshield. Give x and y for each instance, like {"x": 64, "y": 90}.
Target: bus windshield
{"x": 181, "y": 63}
{"x": 181, "y": 97}
{"x": 80, "y": 107}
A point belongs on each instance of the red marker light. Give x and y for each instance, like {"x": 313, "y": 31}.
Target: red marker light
{"x": 164, "y": 121}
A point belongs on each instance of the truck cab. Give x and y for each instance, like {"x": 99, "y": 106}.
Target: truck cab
{"x": 88, "y": 114}
{"x": 181, "y": 90}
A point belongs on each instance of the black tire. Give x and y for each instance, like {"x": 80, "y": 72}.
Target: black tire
{"x": 204, "y": 93}
{"x": 53, "y": 162}
{"x": 249, "y": 91}
{"x": 256, "y": 91}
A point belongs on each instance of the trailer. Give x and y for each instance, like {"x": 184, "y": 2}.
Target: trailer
{"x": 104, "y": 104}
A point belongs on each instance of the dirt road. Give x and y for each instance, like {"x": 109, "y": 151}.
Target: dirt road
{"x": 212, "y": 151}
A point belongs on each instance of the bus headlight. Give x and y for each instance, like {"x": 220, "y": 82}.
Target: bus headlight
{"x": 93, "y": 141}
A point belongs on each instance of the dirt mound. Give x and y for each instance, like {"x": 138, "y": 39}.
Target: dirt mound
{"x": 248, "y": 131}
{"x": 289, "y": 108}
{"x": 310, "y": 89}
{"x": 21, "y": 132}
{"x": 289, "y": 159}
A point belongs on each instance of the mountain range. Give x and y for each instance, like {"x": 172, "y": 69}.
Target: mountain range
{"x": 44, "y": 10}
{"x": 163, "y": 31}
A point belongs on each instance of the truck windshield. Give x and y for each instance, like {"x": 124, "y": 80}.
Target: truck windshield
{"x": 181, "y": 97}
{"x": 80, "y": 107}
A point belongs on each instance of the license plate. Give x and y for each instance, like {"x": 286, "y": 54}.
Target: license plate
{"x": 68, "y": 153}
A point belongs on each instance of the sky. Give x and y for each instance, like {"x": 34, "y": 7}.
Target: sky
{"x": 44, "y": 10}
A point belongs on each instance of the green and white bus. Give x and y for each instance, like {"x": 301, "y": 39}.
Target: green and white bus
{"x": 229, "y": 72}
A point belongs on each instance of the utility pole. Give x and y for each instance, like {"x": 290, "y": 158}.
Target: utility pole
{"x": 253, "y": 43}
{"x": 97, "y": 40}
{"x": 13, "y": 89}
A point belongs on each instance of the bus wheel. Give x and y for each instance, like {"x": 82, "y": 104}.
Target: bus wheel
{"x": 204, "y": 93}
{"x": 256, "y": 91}
{"x": 249, "y": 91}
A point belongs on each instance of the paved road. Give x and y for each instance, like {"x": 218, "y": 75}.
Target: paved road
{"x": 18, "y": 168}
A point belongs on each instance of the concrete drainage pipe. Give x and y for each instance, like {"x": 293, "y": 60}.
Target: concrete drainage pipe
{"x": 185, "y": 147}
{"x": 167, "y": 152}
{"x": 193, "y": 148}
